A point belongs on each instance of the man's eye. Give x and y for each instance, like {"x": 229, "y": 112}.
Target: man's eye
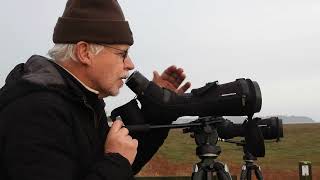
{"x": 121, "y": 54}
{"x": 124, "y": 55}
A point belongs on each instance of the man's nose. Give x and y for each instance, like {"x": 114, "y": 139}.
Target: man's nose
{"x": 128, "y": 63}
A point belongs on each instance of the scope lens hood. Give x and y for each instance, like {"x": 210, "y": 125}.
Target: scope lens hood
{"x": 251, "y": 95}
{"x": 257, "y": 98}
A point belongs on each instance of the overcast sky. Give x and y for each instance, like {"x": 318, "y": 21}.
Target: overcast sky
{"x": 273, "y": 42}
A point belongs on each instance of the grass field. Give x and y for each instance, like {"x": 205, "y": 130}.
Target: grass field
{"x": 300, "y": 142}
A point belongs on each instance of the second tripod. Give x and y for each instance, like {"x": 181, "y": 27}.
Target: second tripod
{"x": 249, "y": 165}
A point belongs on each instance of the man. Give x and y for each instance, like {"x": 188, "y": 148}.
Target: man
{"x": 52, "y": 120}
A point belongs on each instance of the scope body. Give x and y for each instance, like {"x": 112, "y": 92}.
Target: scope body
{"x": 239, "y": 98}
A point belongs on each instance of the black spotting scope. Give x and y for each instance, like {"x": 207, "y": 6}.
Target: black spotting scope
{"x": 241, "y": 97}
{"x": 161, "y": 106}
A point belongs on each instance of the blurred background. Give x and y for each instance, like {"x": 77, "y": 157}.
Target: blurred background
{"x": 274, "y": 42}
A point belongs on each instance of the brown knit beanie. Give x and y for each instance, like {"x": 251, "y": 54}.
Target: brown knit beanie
{"x": 93, "y": 21}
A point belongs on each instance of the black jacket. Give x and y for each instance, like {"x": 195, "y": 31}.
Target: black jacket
{"x": 52, "y": 128}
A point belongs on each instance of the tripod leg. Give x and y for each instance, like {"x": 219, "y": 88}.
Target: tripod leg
{"x": 257, "y": 171}
{"x": 249, "y": 174}
{"x": 222, "y": 174}
{"x": 226, "y": 168}
{"x": 198, "y": 173}
{"x": 243, "y": 175}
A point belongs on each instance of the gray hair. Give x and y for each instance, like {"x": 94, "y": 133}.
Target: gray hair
{"x": 61, "y": 52}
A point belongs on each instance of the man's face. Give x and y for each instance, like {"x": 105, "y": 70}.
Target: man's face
{"x": 109, "y": 69}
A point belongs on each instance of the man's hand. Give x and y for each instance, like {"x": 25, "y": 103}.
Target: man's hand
{"x": 119, "y": 141}
{"x": 171, "y": 79}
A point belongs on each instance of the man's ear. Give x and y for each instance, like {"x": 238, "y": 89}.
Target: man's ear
{"x": 82, "y": 53}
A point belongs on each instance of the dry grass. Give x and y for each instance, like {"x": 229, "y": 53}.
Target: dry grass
{"x": 301, "y": 142}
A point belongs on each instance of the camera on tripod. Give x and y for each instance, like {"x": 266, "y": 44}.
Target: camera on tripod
{"x": 242, "y": 97}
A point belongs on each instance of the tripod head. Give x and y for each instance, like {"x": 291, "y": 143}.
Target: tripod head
{"x": 204, "y": 130}
{"x": 206, "y": 136}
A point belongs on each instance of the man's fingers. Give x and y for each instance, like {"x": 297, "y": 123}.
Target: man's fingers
{"x": 128, "y": 138}
{"x": 181, "y": 78}
{"x": 183, "y": 88}
{"x": 123, "y": 131}
{"x": 170, "y": 70}
{"x": 156, "y": 75}
{"x": 116, "y": 126}
{"x": 135, "y": 142}
{"x": 171, "y": 78}
{"x": 179, "y": 71}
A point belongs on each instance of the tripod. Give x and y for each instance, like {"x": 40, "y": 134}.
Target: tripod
{"x": 249, "y": 166}
{"x": 205, "y": 169}
{"x": 206, "y": 138}
{"x": 205, "y": 132}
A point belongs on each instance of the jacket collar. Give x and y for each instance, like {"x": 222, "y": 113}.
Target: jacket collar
{"x": 40, "y": 73}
